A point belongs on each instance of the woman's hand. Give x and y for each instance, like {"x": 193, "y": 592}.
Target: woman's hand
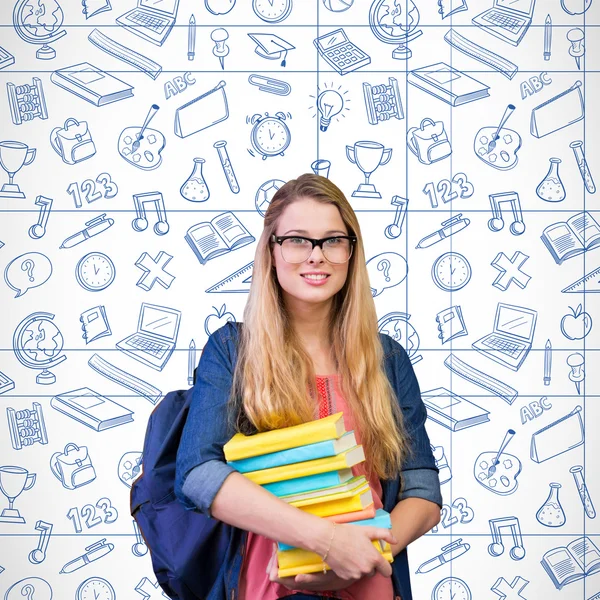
{"x": 352, "y": 554}
{"x": 311, "y": 582}
{"x": 351, "y": 557}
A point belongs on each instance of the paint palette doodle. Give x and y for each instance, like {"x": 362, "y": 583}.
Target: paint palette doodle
{"x": 504, "y": 154}
{"x": 145, "y": 156}
{"x": 504, "y": 479}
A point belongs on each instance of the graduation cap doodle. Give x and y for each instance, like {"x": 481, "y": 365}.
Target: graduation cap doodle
{"x": 271, "y": 46}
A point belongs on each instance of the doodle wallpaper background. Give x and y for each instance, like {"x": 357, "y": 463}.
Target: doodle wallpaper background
{"x": 463, "y": 135}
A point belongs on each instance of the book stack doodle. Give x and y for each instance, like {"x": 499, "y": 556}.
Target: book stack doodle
{"x": 310, "y": 467}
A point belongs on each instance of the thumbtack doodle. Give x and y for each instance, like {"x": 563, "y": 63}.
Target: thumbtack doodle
{"x": 27, "y": 271}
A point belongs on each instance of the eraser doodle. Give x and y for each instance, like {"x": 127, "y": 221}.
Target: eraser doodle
{"x": 27, "y": 271}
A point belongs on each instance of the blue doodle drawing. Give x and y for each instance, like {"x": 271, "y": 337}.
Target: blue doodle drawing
{"x": 27, "y": 271}
{"x": 507, "y": 20}
{"x": 154, "y": 341}
{"x": 150, "y": 20}
{"x": 38, "y": 344}
{"x": 340, "y": 53}
{"x": 73, "y": 467}
{"x": 510, "y": 341}
{"x": 22, "y": 480}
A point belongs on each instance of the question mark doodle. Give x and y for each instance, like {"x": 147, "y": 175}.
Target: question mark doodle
{"x": 28, "y": 589}
{"x": 27, "y": 265}
{"x": 384, "y": 265}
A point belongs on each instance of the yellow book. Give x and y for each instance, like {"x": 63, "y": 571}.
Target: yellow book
{"x": 359, "y": 487}
{"x": 342, "y": 506}
{"x": 244, "y": 446}
{"x": 344, "y": 460}
{"x": 298, "y": 560}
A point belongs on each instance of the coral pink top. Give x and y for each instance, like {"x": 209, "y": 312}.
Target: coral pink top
{"x": 254, "y": 581}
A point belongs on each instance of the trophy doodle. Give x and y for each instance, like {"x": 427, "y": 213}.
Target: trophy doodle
{"x": 13, "y": 156}
{"x": 13, "y": 481}
{"x": 367, "y": 156}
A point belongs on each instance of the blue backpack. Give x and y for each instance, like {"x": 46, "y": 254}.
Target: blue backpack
{"x": 188, "y": 550}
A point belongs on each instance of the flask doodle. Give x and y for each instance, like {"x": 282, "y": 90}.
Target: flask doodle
{"x": 27, "y": 271}
{"x": 386, "y": 270}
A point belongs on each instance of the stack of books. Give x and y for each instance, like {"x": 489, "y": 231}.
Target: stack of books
{"x": 310, "y": 467}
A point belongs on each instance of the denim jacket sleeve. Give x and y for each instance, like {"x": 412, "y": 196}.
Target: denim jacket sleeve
{"x": 206, "y": 429}
{"x": 419, "y": 473}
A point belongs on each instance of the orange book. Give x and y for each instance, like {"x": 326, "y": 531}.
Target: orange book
{"x": 359, "y": 515}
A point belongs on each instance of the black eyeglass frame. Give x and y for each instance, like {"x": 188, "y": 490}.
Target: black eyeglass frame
{"x": 315, "y": 242}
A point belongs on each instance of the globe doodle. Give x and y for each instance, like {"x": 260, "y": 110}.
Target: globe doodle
{"x": 41, "y": 17}
{"x": 38, "y": 343}
{"x": 396, "y": 325}
{"x": 39, "y": 22}
{"x": 395, "y": 22}
{"x": 41, "y": 341}
{"x": 398, "y": 17}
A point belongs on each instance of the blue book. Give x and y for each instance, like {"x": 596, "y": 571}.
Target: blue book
{"x": 295, "y": 455}
{"x": 309, "y": 483}
{"x": 381, "y": 519}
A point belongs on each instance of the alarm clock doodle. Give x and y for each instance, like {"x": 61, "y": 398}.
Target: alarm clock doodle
{"x": 270, "y": 136}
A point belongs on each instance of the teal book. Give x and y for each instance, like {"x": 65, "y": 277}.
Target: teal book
{"x": 295, "y": 455}
{"x": 309, "y": 483}
{"x": 381, "y": 519}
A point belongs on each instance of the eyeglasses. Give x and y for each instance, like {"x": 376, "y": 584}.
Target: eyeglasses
{"x": 297, "y": 249}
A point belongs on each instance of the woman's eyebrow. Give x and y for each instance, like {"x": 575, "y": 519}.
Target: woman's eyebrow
{"x": 326, "y": 233}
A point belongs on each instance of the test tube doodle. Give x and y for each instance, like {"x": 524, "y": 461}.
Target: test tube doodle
{"x": 577, "y": 472}
{"x": 584, "y": 170}
{"x": 226, "y": 164}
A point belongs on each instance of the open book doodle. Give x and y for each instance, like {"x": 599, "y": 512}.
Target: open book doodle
{"x": 570, "y": 238}
{"x": 220, "y": 235}
{"x": 566, "y": 564}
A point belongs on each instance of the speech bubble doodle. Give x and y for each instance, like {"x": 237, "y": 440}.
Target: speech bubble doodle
{"x": 385, "y": 271}
{"x": 27, "y": 271}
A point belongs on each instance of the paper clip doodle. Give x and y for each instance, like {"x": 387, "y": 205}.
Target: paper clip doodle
{"x": 140, "y": 223}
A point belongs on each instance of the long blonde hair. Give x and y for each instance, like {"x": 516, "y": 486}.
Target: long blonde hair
{"x": 274, "y": 380}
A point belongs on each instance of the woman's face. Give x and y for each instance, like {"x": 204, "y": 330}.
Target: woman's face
{"x": 308, "y": 218}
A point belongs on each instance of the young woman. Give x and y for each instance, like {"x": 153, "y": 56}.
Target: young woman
{"x": 309, "y": 347}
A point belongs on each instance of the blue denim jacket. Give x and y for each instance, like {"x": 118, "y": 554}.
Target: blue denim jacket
{"x": 206, "y": 431}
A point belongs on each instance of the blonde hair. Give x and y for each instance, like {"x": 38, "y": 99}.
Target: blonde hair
{"x": 274, "y": 380}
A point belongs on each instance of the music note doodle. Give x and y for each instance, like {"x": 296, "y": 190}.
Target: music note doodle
{"x": 39, "y": 229}
{"x": 496, "y": 223}
{"x": 39, "y": 554}
{"x": 140, "y": 223}
{"x": 496, "y": 548}
{"x": 139, "y": 548}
